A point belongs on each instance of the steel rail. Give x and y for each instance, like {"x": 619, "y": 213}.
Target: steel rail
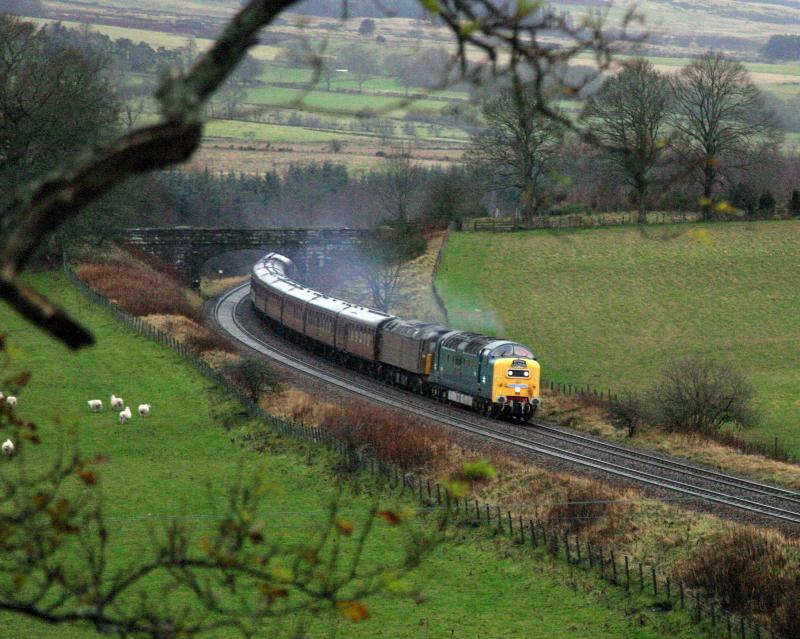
{"x": 655, "y": 460}
{"x": 225, "y": 315}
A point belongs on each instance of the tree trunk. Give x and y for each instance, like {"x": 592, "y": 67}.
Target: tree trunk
{"x": 641, "y": 190}
{"x": 708, "y": 187}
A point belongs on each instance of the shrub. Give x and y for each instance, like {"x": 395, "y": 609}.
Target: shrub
{"x": 699, "y": 395}
{"x": 766, "y": 203}
{"x": 747, "y": 570}
{"x": 743, "y": 197}
{"x": 631, "y": 413}
{"x": 138, "y": 289}
{"x": 393, "y": 437}
{"x": 206, "y": 340}
{"x": 253, "y": 375}
{"x": 794, "y": 203}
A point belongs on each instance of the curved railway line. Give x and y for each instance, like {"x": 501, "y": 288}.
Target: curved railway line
{"x": 691, "y": 481}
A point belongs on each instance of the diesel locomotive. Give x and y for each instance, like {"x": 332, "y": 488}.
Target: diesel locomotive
{"x": 493, "y": 376}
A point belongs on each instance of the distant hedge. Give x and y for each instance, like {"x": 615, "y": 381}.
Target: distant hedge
{"x": 782, "y": 47}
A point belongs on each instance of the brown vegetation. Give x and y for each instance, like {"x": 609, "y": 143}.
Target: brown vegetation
{"x": 141, "y": 290}
{"x": 138, "y": 289}
{"x": 391, "y": 436}
{"x": 750, "y": 572}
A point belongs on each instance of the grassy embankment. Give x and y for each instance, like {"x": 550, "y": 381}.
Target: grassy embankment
{"x": 610, "y": 307}
{"x": 160, "y": 468}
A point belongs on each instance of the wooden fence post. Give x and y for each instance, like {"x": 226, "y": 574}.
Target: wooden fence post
{"x": 697, "y": 607}
{"x": 655, "y": 581}
{"x": 533, "y": 532}
{"x": 614, "y": 567}
{"x": 627, "y": 574}
{"x": 641, "y": 577}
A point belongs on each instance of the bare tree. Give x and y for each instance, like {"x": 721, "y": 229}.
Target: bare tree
{"x": 519, "y": 146}
{"x": 398, "y": 187}
{"x": 359, "y": 61}
{"x": 629, "y": 115}
{"x": 700, "y": 395}
{"x": 384, "y": 261}
{"x": 720, "y": 114}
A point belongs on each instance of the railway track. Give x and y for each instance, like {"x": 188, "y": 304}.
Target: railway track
{"x": 691, "y": 481}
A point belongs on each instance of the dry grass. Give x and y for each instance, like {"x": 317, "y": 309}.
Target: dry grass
{"x": 196, "y": 336}
{"x": 212, "y": 287}
{"x": 220, "y": 359}
{"x": 573, "y": 411}
{"x": 574, "y": 505}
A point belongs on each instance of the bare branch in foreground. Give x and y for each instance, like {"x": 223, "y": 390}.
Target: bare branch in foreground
{"x": 44, "y": 208}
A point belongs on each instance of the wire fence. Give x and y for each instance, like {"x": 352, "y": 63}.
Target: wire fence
{"x": 620, "y": 570}
{"x": 439, "y": 301}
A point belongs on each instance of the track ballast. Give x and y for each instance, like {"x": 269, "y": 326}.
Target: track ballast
{"x": 691, "y": 481}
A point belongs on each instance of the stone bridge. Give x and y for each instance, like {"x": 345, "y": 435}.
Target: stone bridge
{"x": 187, "y": 249}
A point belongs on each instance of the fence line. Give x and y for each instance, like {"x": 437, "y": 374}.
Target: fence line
{"x": 439, "y": 301}
{"x": 580, "y": 220}
{"x": 533, "y": 532}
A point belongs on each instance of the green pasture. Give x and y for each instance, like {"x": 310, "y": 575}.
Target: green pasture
{"x": 161, "y": 468}
{"x": 610, "y": 307}
{"x": 375, "y": 84}
{"x": 332, "y": 101}
{"x": 276, "y": 133}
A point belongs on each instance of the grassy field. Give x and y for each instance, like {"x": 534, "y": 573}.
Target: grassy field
{"x": 610, "y": 307}
{"x": 160, "y": 468}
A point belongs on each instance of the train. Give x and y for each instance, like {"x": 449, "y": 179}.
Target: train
{"x": 493, "y": 376}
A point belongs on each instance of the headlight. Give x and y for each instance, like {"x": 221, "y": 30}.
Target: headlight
{"x": 527, "y": 374}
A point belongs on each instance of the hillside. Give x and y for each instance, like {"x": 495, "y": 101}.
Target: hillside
{"x": 610, "y": 307}
{"x": 160, "y": 469}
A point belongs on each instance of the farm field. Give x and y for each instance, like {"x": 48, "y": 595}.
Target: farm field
{"x": 610, "y": 307}
{"x": 160, "y": 468}
{"x": 269, "y": 103}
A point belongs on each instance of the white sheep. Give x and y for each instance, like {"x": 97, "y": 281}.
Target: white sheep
{"x": 95, "y": 405}
{"x": 144, "y": 410}
{"x": 117, "y": 403}
{"x": 8, "y": 448}
{"x": 11, "y": 401}
{"x": 125, "y": 415}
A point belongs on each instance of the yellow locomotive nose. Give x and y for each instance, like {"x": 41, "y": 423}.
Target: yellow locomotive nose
{"x": 516, "y": 385}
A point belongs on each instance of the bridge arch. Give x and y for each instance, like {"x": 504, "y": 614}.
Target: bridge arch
{"x": 187, "y": 249}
